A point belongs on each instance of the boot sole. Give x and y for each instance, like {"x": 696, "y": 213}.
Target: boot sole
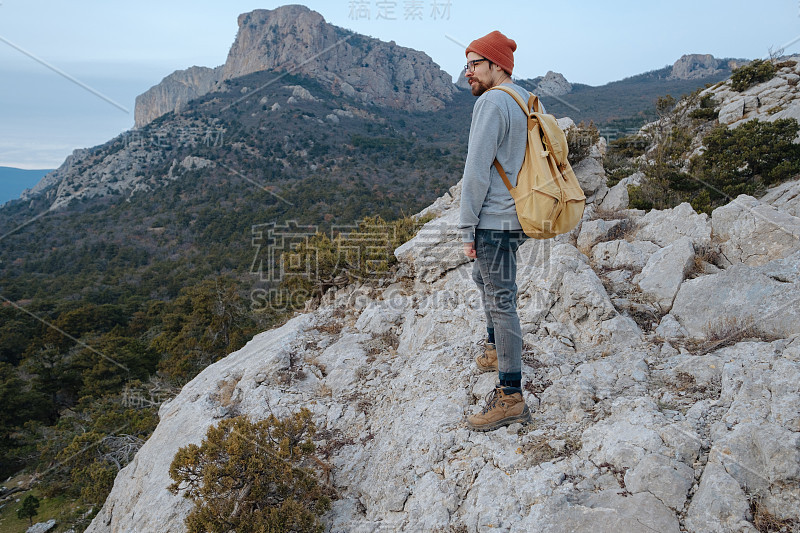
{"x": 524, "y": 417}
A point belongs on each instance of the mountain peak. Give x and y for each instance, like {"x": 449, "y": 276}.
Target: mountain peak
{"x": 297, "y": 40}
{"x": 696, "y": 66}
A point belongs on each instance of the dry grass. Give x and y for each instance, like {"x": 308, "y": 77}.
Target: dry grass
{"x": 224, "y": 395}
{"x": 539, "y": 450}
{"x": 727, "y": 332}
{"x": 786, "y": 64}
{"x": 766, "y": 522}
{"x": 609, "y": 214}
{"x": 452, "y": 528}
{"x": 324, "y": 391}
{"x": 625, "y": 230}
{"x": 703, "y": 254}
{"x": 687, "y": 383}
{"x": 333, "y": 328}
{"x": 385, "y": 342}
{"x": 334, "y": 441}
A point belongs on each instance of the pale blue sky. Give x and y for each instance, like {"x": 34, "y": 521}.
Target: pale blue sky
{"x": 121, "y": 49}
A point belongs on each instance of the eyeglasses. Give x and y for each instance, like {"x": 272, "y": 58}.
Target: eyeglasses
{"x": 470, "y": 66}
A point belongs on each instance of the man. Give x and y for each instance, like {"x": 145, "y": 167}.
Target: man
{"x": 490, "y": 230}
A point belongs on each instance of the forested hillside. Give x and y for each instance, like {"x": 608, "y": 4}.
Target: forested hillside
{"x": 112, "y": 302}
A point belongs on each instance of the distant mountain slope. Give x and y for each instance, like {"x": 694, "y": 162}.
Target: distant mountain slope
{"x": 297, "y": 40}
{"x": 625, "y": 104}
{"x": 15, "y": 180}
{"x": 621, "y": 107}
{"x": 194, "y": 184}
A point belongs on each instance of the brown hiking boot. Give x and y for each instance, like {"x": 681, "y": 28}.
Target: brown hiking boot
{"x": 504, "y": 406}
{"x": 487, "y": 361}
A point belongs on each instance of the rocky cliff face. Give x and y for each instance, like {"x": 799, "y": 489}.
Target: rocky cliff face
{"x": 775, "y": 99}
{"x": 174, "y": 92}
{"x": 696, "y": 66}
{"x": 297, "y": 40}
{"x": 665, "y": 387}
{"x": 693, "y": 66}
{"x": 551, "y": 84}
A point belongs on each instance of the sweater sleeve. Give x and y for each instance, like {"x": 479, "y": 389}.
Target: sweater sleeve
{"x": 487, "y": 130}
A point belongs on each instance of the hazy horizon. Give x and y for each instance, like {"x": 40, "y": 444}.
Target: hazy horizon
{"x": 119, "y": 51}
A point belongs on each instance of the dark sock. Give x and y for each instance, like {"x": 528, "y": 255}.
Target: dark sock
{"x": 490, "y": 332}
{"x": 516, "y": 383}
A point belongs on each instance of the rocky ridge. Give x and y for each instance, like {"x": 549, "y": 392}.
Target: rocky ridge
{"x": 551, "y": 84}
{"x": 769, "y": 101}
{"x": 122, "y": 166}
{"x": 664, "y": 383}
{"x": 695, "y": 66}
{"x": 777, "y": 98}
{"x": 296, "y": 39}
{"x": 174, "y": 92}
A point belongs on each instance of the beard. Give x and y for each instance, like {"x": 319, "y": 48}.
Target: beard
{"x": 478, "y": 88}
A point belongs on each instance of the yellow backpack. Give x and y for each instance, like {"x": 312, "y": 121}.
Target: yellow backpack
{"x": 548, "y": 198}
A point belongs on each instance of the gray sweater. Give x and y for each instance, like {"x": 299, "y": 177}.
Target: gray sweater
{"x": 498, "y": 129}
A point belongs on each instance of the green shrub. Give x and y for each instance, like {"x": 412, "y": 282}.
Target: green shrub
{"x": 659, "y": 188}
{"x": 706, "y": 110}
{"x": 253, "y": 477}
{"x": 742, "y": 160}
{"x": 617, "y": 160}
{"x": 757, "y": 71}
{"x": 580, "y": 140}
{"x": 630, "y": 146}
{"x": 704, "y": 114}
{"x": 364, "y": 254}
{"x": 748, "y": 158}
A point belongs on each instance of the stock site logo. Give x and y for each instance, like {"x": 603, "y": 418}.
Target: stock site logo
{"x": 295, "y": 263}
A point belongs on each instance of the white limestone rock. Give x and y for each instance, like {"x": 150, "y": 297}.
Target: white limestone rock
{"x": 623, "y": 254}
{"x": 769, "y": 101}
{"x": 670, "y": 328}
{"x": 436, "y": 249}
{"x": 665, "y": 478}
{"x": 765, "y": 296}
{"x": 750, "y": 368}
{"x": 758, "y": 456}
{"x": 664, "y": 227}
{"x": 636, "y": 433}
{"x": 552, "y": 84}
{"x": 608, "y": 511}
{"x": 300, "y": 92}
{"x": 664, "y": 272}
{"x": 449, "y": 200}
{"x": 754, "y": 233}
{"x": 382, "y": 317}
{"x": 593, "y": 231}
{"x": 590, "y": 174}
{"x": 191, "y": 162}
{"x": 402, "y": 458}
{"x": 617, "y": 197}
{"x": 42, "y": 527}
{"x": 720, "y": 505}
{"x": 139, "y": 500}
{"x": 785, "y": 197}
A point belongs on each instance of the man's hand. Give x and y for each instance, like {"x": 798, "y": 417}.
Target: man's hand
{"x": 469, "y": 250}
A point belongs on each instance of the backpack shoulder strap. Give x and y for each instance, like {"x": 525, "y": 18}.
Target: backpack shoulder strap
{"x": 528, "y": 109}
{"x": 533, "y": 103}
{"x": 502, "y": 173}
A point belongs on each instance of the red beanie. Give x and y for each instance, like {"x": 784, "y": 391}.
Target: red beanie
{"x": 497, "y": 48}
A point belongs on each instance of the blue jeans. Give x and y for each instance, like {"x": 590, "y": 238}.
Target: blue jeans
{"x": 495, "y": 273}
